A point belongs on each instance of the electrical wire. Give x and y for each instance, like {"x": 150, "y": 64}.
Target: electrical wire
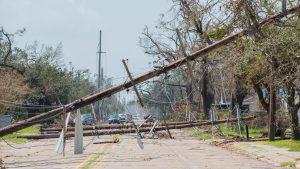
{"x": 178, "y": 101}
{"x": 10, "y": 145}
{"x": 26, "y": 106}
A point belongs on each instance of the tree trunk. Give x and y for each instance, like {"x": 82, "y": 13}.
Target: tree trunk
{"x": 295, "y": 123}
{"x": 189, "y": 93}
{"x": 270, "y": 107}
{"x": 205, "y": 88}
{"x": 240, "y": 93}
{"x": 272, "y": 113}
{"x": 293, "y": 111}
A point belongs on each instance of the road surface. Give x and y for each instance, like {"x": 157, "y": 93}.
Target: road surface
{"x": 183, "y": 152}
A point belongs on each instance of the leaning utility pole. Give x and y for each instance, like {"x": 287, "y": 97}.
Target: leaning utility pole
{"x": 133, "y": 85}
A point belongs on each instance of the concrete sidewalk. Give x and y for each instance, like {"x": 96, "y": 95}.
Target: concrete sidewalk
{"x": 270, "y": 154}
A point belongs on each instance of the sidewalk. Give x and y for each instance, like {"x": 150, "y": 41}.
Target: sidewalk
{"x": 270, "y": 154}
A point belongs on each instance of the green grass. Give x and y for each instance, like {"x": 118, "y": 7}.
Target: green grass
{"x": 13, "y": 137}
{"x": 291, "y": 145}
{"x": 227, "y": 132}
{"x": 253, "y": 132}
{"x": 201, "y": 135}
{"x": 289, "y": 164}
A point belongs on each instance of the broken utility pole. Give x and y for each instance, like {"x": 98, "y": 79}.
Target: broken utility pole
{"x": 98, "y": 95}
{"x": 132, "y": 82}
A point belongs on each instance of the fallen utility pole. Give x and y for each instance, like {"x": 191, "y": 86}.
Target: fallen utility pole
{"x": 133, "y": 130}
{"x": 98, "y": 95}
{"x": 116, "y": 126}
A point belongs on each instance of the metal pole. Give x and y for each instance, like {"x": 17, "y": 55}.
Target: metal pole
{"x": 65, "y": 123}
{"x": 247, "y": 132}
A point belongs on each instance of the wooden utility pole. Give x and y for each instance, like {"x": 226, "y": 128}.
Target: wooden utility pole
{"x": 132, "y": 82}
{"x": 93, "y": 97}
{"x": 116, "y": 126}
{"x": 134, "y": 130}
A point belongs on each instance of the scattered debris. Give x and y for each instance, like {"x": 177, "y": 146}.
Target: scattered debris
{"x": 106, "y": 142}
{"x": 147, "y": 158}
{"x": 2, "y": 166}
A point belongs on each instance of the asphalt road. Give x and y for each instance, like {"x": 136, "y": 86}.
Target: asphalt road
{"x": 183, "y": 152}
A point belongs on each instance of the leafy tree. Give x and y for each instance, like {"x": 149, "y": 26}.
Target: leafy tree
{"x": 265, "y": 60}
{"x": 36, "y": 78}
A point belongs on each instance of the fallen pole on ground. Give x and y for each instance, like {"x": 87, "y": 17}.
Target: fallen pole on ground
{"x": 133, "y": 130}
{"x": 116, "y": 126}
{"x": 98, "y": 95}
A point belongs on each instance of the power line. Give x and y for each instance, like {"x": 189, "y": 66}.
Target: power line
{"x": 10, "y": 145}
{"x": 26, "y": 106}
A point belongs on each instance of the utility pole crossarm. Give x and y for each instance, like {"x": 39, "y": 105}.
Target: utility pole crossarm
{"x": 132, "y": 82}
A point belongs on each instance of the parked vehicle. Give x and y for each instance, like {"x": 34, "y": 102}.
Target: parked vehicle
{"x": 122, "y": 117}
{"x": 86, "y": 119}
{"x": 114, "y": 119}
{"x": 149, "y": 118}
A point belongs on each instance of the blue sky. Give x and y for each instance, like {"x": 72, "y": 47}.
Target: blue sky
{"x": 76, "y": 23}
